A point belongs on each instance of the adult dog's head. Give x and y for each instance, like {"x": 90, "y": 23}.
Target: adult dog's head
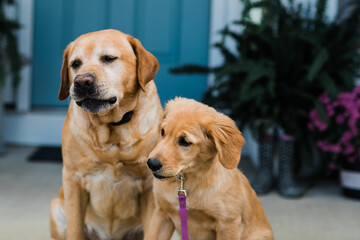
{"x": 193, "y": 137}
{"x": 105, "y": 69}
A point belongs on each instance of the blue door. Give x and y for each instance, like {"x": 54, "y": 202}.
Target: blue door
{"x": 175, "y": 31}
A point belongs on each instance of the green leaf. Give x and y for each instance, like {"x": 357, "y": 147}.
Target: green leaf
{"x": 229, "y": 56}
{"x": 321, "y": 110}
{"x": 317, "y": 65}
{"x": 329, "y": 85}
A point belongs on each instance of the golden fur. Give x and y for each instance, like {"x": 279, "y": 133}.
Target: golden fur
{"x": 107, "y": 189}
{"x": 204, "y": 146}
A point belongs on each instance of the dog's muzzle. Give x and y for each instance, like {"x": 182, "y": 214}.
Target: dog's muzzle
{"x": 86, "y": 90}
{"x": 84, "y": 85}
{"x": 155, "y": 166}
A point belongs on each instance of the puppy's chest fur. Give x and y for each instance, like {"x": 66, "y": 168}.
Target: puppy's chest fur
{"x": 201, "y": 217}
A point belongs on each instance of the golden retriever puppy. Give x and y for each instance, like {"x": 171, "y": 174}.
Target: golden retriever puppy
{"x": 113, "y": 123}
{"x": 204, "y": 147}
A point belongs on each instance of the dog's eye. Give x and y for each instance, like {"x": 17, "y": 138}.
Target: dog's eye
{"x": 108, "y": 59}
{"x": 162, "y": 132}
{"x": 76, "y": 64}
{"x": 183, "y": 142}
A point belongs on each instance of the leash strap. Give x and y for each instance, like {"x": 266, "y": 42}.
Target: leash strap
{"x": 183, "y": 219}
{"x": 182, "y": 205}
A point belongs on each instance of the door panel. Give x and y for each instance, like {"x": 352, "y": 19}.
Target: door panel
{"x": 88, "y": 16}
{"x": 175, "y": 31}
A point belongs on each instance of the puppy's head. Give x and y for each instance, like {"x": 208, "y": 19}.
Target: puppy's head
{"x": 105, "y": 69}
{"x": 193, "y": 134}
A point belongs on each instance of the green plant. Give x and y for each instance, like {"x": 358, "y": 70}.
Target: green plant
{"x": 10, "y": 60}
{"x": 282, "y": 64}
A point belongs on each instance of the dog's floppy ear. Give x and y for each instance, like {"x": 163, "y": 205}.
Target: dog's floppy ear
{"x": 147, "y": 64}
{"x": 65, "y": 83}
{"x": 228, "y": 141}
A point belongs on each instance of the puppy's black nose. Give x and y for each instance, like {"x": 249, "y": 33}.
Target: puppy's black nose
{"x": 154, "y": 164}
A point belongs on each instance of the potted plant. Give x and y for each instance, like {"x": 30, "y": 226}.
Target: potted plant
{"x": 279, "y": 68}
{"x": 10, "y": 61}
{"x": 335, "y": 124}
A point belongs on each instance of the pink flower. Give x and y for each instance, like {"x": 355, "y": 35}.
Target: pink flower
{"x": 311, "y": 127}
{"x": 357, "y": 103}
{"x": 316, "y": 121}
{"x": 352, "y": 123}
{"x": 357, "y": 89}
{"x": 313, "y": 115}
{"x": 352, "y": 159}
{"x": 328, "y": 147}
{"x": 324, "y": 98}
{"x": 335, "y": 148}
{"x": 340, "y": 119}
{"x": 321, "y": 145}
{"x": 330, "y": 110}
{"x": 345, "y": 98}
{"x": 348, "y": 149}
{"x": 339, "y": 132}
{"x": 346, "y": 137}
{"x": 321, "y": 126}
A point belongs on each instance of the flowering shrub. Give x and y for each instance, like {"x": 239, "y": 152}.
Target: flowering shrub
{"x": 336, "y": 125}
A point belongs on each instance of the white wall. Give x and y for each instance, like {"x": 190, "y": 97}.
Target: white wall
{"x": 331, "y": 7}
{"x": 26, "y": 33}
{"x": 35, "y": 128}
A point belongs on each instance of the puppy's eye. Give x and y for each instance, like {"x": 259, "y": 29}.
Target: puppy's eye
{"x": 162, "y": 132}
{"x": 108, "y": 59}
{"x": 76, "y": 64}
{"x": 183, "y": 142}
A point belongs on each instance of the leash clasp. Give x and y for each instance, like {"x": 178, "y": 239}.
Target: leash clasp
{"x": 181, "y": 190}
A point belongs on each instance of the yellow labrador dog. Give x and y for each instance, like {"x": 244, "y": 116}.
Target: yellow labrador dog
{"x": 111, "y": 126}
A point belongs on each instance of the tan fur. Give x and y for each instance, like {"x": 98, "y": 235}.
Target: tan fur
{"x": 107, "y": 189}
{"x": 220, "y": 201}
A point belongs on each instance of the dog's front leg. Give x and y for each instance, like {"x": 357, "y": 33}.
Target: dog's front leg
{"x": 160, "y": 227}
{"x": 230, "y": 230}
{"x": 76, "y": 199}
{"x": 147, "y": 210}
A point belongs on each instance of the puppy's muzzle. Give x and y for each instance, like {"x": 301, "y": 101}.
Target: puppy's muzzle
{"x": 154, "y": 164}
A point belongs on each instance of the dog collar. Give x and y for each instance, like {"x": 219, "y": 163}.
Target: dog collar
{"x": 126, "y": 118}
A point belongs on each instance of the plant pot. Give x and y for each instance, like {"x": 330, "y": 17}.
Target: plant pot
{"x": 350, "y": 179}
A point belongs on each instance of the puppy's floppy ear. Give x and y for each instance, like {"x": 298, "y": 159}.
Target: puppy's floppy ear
{"x": 228, "y": 141}
{"x": 65, "y": 82}
{"x": 147, "y": 64}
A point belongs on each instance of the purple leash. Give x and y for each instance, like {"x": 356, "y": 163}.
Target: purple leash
{"x": 182, "y": 204}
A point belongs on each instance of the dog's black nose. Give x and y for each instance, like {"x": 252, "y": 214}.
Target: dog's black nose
{"x": 84, "y": 81}
{"x": 154, "y": 164}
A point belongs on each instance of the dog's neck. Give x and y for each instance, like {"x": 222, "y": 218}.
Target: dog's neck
{"x": 214, "y": 175}
{"x": 125, "y": 119}
{"x": 121, "y": 126}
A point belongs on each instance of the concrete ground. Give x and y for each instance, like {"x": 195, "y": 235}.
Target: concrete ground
{"x": 27, "y": 188}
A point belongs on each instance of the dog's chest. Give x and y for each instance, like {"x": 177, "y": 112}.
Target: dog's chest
{"x": 200, "y": 218}
{"x": 114, "y": 194}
